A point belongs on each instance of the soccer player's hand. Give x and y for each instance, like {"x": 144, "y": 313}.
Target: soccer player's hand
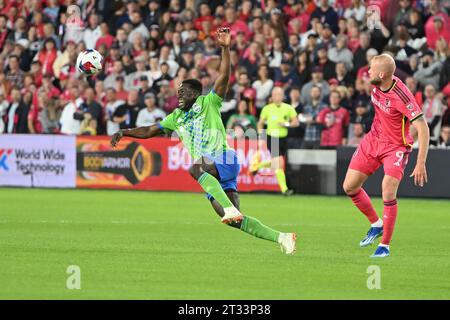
{"x": 223, "y": 37}
{"x": 420, "y": 174}
{"x": 116, "y": 138}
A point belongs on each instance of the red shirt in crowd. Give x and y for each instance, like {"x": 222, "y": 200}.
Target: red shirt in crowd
{"x": 107, "y": 40}
{"x": 33, "y": 115}
{"x": 335, "y": 121}
{"x": 47, "y": 58}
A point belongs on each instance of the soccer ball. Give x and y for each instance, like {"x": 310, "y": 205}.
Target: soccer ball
{"x": 89, "y": 62}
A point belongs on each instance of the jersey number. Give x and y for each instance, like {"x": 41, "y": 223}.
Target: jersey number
{"x": 399, "y": 156}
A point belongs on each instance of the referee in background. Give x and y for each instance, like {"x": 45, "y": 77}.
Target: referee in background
{"x": 278, "y": 117}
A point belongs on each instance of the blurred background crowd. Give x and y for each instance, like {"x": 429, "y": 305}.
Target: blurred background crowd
{"x": 316, "y": 50}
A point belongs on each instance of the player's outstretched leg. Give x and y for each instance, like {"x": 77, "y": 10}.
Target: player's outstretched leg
{"x": 353, "y": 188}
{"x": 206, "y": 174}
{"x": 254, "y": 227}
{"x": 390, "y": 186}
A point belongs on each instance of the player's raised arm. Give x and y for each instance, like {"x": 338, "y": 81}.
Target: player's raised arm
{"x": 420, "y": 171}
{"x": 223, "y": 40}
{"x": 141, "y": 133}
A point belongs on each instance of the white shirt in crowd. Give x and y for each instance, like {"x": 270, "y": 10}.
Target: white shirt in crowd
{"x": 132, "y": 80}
{"x": 263, "y": 91}
{"x": 3, "y": 107}
{"x": 68, "y": 124}
{"x": 357, "y": 13}
{"x": 11, "y": 114}
{"x": 142, "y": 29}
{"x": 433, "y": 108}
{"x": 90, "y": 37}
{"x": 147, "y": 118}
{"x": 112, "y": 127}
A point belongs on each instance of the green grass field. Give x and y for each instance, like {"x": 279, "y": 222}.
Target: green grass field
{"x": 154, "y": 245}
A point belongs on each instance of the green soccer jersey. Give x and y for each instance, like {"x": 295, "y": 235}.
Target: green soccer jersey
{"x": 200, "y": 128}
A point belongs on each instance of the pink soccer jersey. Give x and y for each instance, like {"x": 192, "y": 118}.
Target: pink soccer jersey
{"x": 395, "y": 109}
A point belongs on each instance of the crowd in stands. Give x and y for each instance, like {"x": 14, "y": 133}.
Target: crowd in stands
{"x": 318, "y": 51}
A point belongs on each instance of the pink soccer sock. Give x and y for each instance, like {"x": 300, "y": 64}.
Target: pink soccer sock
{"x": 389, "y": 217}
{"x": 363, "y": 203}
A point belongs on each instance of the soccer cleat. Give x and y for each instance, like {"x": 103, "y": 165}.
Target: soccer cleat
{"x": 287, "y": 243}
{"x": 288, "y": 192}
{"x": 232, "y": 215}
{"x": 372, "y": 234}
{"x": 254, "y": 163}
{"x": 381, "y": 252}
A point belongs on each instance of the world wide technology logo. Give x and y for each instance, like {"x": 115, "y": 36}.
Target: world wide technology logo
{"x": 4, "y": 154}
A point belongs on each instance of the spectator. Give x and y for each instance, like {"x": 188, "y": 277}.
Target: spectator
{"x": 296, "y": 134}
{"x": 167, "y": 97}
{"x": 358, "y": 135}
{"x": 165, "y": 76}
{"x": 356, "y": 10}
{"x": 286, "y": 75}
{"x": 263, "y": 86}
{"x": 92, "y": 107}
{"x": 16, "y": 116}
{"x": 50, "y": 115}
{"x": 116, "y": 72}
{"x": 14, "y": 75}
{"x": 359, "y": 56}
{"x": 335, "y": 120}
{"x": 70, "y": 123}
{"x": 318, "y": 81}
{"x": 138, "y": 27}
{"x": 132, "y": 81}
{"x": 88, "y": 126}
{"x": 93, "y": 32}
{"x": 403, "y": 14}
{"x": 112, "y": 103}
{"x": 126, "y": 114}
{"x": 47, "y": 56}
{"x": 428, "y": 70}
{"x": 119, "y": 87}
{"x": 3, "y": 108}
{"x": 432, "y": 111}
{"x": 444, "y": 139}
{"x": 341, "y": 53}
{"x": 439, "y": 29}
{"x": 242, "y": 121}
{"x": 35, "y": 114}
{"x": 363, "y": 72}
{"x": 106, "y": 38}
{"x": 308, "y": 119}
{"x": 362, "y": 116}
{"x": 342, "y": 76}
{"x": 122, "y": 42}
{"x": 150, "y": 114}
{"x": 326, "y": 14}
{"x": 328, "y": 67}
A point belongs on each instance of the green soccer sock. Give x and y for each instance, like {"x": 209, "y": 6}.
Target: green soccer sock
{"x": 212, "y": 186}
{"x": 256, "y": 228}
{"x": 281, "y": 178}
{"x": 265, "y": 164}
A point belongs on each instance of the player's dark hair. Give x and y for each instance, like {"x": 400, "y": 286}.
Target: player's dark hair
{"x": 194, "y": 84}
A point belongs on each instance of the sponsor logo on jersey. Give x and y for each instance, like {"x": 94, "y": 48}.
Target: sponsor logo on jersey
{"x": 380, "y": 105}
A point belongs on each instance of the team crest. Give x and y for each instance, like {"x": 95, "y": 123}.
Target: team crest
{"x": 196, "y": 108}
{"x": 409, "y": 106}
{"x": 388, "y": 103}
